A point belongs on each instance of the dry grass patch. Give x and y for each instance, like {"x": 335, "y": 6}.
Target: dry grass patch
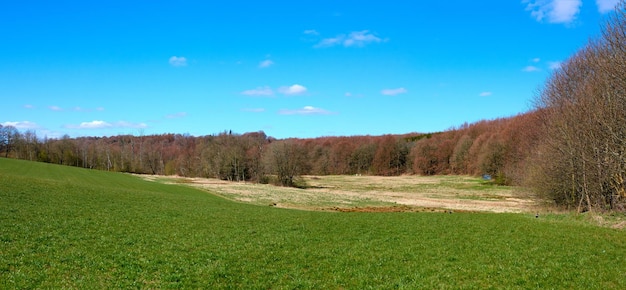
{"x": 373, "y": 193}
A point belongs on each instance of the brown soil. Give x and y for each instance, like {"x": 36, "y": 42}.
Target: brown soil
{"x": 391, "y": 209}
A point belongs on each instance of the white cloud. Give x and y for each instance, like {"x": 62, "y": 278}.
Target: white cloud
{"x": 98, "y": 124}
{"x": 21, "y": 125}
{"x": 355, "y": 38}
{"x": 393, "y": 92}
{"x": 100, "y": 109}
{"x": 260, "y": 91}
{"x": 554, "y": 65}
{"x": 293, "y": 90}
{"x": 311, "y": 32}
{"x": 605, "y": 6}
{"x": 178, "y": 61}
{"x": 530, "y": 68}
{"x": 92, "y": 125}
{"x": 554, "y": 11}
{"x": 307, "y": 110}
{"x": 266, "y": 63}
{"x": 485, "y": 94}
{"x": 29, "y": 106}
{"x": 176, "y": 115}
{"x": 55, "y": 108}
{"x": 536, "y": 60}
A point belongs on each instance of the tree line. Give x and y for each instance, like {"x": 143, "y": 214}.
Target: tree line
{"x": 486, "y": 147}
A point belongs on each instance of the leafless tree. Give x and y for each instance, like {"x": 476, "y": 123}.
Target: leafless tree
{"x": 583, "y": 105}
{"x": 286, "y": 159}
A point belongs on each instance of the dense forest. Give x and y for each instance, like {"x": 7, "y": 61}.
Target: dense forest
{"x": 498, "y": 147}
{"x": 571, "y": 148}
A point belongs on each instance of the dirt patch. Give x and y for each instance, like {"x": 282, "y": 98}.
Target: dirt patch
{"x": 392, "y": 209}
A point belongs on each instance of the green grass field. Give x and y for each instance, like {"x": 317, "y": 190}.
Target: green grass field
{"x": 63, "y": 227}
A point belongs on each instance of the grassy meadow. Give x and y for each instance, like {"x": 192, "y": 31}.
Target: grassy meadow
{"x": 66, "y": 227}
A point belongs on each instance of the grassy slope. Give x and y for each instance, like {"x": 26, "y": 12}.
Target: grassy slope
{"x": 69, "y": 227}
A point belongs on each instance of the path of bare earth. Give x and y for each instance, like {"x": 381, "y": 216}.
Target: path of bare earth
{"x": 372, "y": 193}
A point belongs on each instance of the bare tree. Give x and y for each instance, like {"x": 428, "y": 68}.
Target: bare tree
{"x": 583, "y": 151}
{"x": 286, "y": 159}
{"x": 8, "y": 137}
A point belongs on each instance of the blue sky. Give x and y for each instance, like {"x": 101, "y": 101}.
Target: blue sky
{"x": 289, "y": 68}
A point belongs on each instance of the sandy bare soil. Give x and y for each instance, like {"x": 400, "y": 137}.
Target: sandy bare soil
{"x": 372, "y": 193}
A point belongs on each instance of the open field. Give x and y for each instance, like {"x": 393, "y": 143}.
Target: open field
{"x": 375, "y": 193}
{"x": 65, "y": 227}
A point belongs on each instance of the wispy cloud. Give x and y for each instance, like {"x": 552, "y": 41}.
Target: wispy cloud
{"x": 605, "y": 6}
{"x": 75, "y": 109}
{"x": 176, "y": 115}
{"x": 260, "y": 92}
{"x": 393, "y": 92}
{"x": 307, "y": 110}
{"x": 29, "y": 106}
{"x": 360, "y": 38}
{"x": 554, "y": 11}
{"x": 350, "y": 95}
{"x": 485, "y": 94}
{"x": 355, "y": 38}
{"x": 81, "y": 109}
{"x": 178, "y": 61}
{"x": 124, "y": 124}
{"x": 310, "y": 35}
{"x": 536, "y": 60}
{"x": 266, "y": 63}
{"x": 266, "y": 91}
{"x": 531, "y": 68}
{"x": 554, "y": 65}
{"x": 21, "y": 125}
{"x": 328, "y": 42}
{"x": 293, "y": 90}
{"x": 98, "y": 124}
